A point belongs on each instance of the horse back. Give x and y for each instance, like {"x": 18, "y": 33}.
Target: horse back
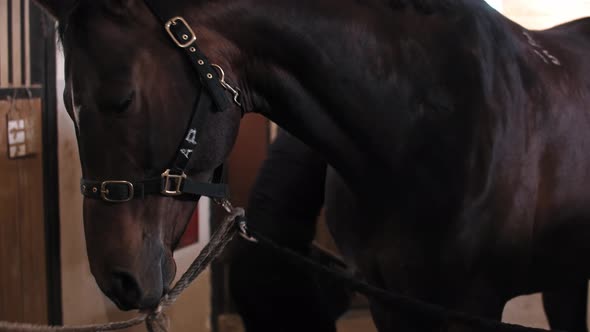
{"x": 570, "y": 42}
{"x": 579, "y": 27}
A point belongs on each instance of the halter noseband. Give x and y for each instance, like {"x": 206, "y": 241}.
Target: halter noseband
{"x": 174, "y": 182}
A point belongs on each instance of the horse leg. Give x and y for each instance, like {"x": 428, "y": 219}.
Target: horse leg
{"x": 566, "y": 308}
{"x": 394, "y": 319}
{"x": 271, "y": 293}
{"x": 389, "y": 319}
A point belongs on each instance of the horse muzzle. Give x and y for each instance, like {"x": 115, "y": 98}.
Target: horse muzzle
{"x": 139, "y": 288}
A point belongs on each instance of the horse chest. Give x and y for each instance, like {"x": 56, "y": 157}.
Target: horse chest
{"x": 376, "y": 238}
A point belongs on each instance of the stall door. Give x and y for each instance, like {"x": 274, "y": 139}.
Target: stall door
{"x": 23, "y": 269}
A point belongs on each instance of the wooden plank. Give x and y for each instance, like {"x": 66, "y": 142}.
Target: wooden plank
{"x": 32, "y": 241}
{"x": 10, "y": 254}
{"x": 23, "y": 288}
{"x": 4, "y": 52}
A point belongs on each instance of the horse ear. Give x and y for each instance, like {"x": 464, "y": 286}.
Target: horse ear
{"x": 56, "y": 7}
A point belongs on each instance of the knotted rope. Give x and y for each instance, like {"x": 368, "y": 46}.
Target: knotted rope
{"x": 155, "y": 320}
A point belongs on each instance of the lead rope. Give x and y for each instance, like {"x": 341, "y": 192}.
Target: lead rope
{"x": 399, "y": 301}
{"x": 156, "y": 320}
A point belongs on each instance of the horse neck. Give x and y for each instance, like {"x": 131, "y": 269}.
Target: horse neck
{"x": 343, "y": 82}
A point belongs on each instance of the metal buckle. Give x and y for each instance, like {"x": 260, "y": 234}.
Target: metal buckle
{"x": 166, "y": 176}
{"x": 104, "y": 191}
{"x": 234, "y": 91}
{"x": 225, "y": 204}
{"x": 187, "y": 40}
{"x": 245, "y": 233}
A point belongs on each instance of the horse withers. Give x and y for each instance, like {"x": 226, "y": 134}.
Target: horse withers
{"x": 456, "y": 138}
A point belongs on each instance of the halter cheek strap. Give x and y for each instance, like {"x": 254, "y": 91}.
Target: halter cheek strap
{"x": 174, "y": 182}
{"x": 183, "y": 36}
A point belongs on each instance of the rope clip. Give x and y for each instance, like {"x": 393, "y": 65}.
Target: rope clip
{"x": 245, "y": 233}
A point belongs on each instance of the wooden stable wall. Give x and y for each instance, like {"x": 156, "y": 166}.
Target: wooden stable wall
{"x": 23, "y": 288}
{"x": 25, "y": 293}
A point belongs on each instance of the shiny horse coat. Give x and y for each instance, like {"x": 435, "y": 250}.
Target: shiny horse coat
{"x": 457, "y": 140}
{"x": 284, "y": 204}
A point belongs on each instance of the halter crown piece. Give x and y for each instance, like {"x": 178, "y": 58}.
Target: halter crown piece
{"x": 174, "y": 182}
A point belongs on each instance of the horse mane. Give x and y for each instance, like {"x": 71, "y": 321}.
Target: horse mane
{"x": 425, "y": 6}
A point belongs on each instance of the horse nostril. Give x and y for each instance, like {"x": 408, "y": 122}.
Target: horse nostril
{"x": 126, "y": 291}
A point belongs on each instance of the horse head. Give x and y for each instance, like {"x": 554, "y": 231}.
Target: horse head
{"x": 132, "y": 94}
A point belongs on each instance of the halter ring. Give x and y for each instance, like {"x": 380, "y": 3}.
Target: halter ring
{"x": 172, "y": 183}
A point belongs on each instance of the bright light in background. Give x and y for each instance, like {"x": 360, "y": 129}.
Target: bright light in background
{"x": 497, "y": 4}
{"x": 543, "y": 14}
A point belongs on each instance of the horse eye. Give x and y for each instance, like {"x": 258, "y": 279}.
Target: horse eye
{"x": 125, "y": 103}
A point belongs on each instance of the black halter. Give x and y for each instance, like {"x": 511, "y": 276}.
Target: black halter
{"x": 174, "y": 182}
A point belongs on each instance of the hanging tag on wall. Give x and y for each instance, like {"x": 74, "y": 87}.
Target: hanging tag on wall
{"x": 17, "y": 138}
{"x": 20, "y": 129}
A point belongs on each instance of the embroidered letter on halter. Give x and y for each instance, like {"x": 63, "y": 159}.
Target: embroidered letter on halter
{"x": 187, "y": 153}
{"x": 192, "y": 136}
{"x": 540, "y": 51}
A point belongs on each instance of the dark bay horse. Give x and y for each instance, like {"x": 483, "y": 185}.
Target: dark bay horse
{"x": 284, "y": 204}
{"x": 456, "y": 138}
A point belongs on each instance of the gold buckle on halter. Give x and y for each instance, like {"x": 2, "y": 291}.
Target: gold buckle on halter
{"x": 172, "y": 181}
{"x": 104, "y": 191}
{"x": 187, "y": 40}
